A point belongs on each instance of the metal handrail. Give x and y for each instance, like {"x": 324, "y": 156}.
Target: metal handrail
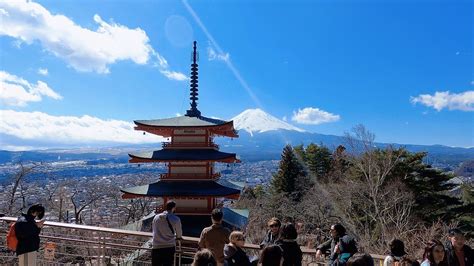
{"x": 106, "y": 242}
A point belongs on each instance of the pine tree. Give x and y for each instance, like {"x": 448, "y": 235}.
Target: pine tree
{"x": 430, "y": 186}
{"x": 319, "y": 160}
{"x": 339, "y": 164}
{"x": 290, "y": 178}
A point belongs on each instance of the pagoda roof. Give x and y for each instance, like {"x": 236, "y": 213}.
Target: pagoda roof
{"x": 167, "y": 155}
{"x": 168, "y": 188}
{"x": 182, "y": 121}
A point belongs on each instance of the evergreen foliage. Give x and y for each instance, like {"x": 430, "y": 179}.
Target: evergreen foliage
{"x": 432, "y": 187}
{"x": 317, "y": 159}
{"x": 291, "y": 177}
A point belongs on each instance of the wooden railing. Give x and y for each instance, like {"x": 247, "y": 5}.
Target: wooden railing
{"x": 93, "y": 245}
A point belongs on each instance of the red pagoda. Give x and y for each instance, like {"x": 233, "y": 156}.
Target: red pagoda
{"x": 190, "y": 155}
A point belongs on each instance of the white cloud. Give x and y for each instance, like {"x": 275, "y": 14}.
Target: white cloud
{"x": 15, "y": 91}
{"x": 313, "y": 116}
{"x": 18, "y": 148}
{"x": 174, "y": 75}
{"x": 463, "y": 101}
{"x": 82, "y": 48}
{"x": 43, "y": 71}
{"x": 213, "y": 55}
{"x": 43, "y": 127}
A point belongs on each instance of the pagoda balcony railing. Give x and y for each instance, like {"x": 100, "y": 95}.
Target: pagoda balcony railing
{"x": 76, "y": 244}
{"x": 189, "y": 176}
{"x": 183, "y": 145}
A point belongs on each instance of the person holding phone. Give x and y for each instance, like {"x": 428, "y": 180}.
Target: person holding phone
{"x": 27, "y": 231}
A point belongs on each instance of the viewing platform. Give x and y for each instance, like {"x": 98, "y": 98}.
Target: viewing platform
{"x": 75, "y": 244}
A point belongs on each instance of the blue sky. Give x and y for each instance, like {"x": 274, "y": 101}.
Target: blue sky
{"x": 80, "y": 72}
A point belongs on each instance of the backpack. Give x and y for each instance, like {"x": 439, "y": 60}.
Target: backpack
{"x": 12, "y": 241}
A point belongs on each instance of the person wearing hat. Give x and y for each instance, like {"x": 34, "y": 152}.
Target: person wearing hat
{"x": 457, "y": 252}
{"x": 27, "y": 231}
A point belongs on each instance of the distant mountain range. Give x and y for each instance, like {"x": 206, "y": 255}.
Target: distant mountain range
{"x": 261, "y": 137}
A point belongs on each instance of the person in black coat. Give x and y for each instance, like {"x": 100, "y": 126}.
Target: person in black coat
{"x": 27, "y": 232}
{"x": 341, "y": 246}
{"x": 457, "y": 252}
{"x": 292, "y": 255}
{"x": 234, "y": 255}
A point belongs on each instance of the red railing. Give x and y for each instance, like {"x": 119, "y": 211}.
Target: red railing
{"x": 189, "y": 176}
{"x": 209, "y": 145}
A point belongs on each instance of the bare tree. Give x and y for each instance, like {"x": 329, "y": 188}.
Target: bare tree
{"x": 19, "y": 185}
{"x": 375, "y": 205}
{"x": 83, "y": 193}
{"x": 56, "y": 197}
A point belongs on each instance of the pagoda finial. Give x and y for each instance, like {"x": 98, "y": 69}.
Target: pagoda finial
{"x": 193, "y": 111}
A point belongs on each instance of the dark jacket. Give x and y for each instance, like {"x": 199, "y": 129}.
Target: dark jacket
{"x": 268, "y": 240}
{"x": 235, "y": 256}
{"x": 292, "y": 254}
{"x": 452, "y": 259}
{"x": 347, "y": 248}
{"x": 27, "y": 234}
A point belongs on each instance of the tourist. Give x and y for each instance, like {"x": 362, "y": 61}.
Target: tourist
{"x": 166, "y": 230}
{"x": 233, "y": 253}
{"x": 405, "y": 261}
{"x": 215, "y": 236}
{"x": 272, "y": 255}
{"x": 361, "y": 260}
{"x": 273, "y": 232}
{"x": 204, "y": 257}
{"x": 292, "y": 254}
{"x": 457, "y": 252}
{"x": 341, "y": 246}
{"x": 434, "y": 254}
{"x": 27, "y": 232}
{"x": 397, "y": 251}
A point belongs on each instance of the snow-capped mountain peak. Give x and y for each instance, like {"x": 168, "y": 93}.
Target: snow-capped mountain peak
{"x": 257, "y": 121}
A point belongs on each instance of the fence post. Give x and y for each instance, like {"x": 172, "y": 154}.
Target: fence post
{"x": 180, "y": 252}
{"x": 102, "y": 249}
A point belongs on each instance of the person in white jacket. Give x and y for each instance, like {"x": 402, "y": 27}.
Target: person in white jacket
{"x": 166, "y": 230}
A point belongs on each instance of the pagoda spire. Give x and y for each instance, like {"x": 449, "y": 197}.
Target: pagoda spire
{"x": 193, "y": 111}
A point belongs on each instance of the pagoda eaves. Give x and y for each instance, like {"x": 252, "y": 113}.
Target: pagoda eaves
{"x": 165, "y": 127}
{"x": 184, "y": 155}
{"x": 197, "y": 188}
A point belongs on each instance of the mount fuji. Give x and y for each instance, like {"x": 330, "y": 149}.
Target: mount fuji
{"x": 257, "y": 121}
{"x": 263, "y": 136}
